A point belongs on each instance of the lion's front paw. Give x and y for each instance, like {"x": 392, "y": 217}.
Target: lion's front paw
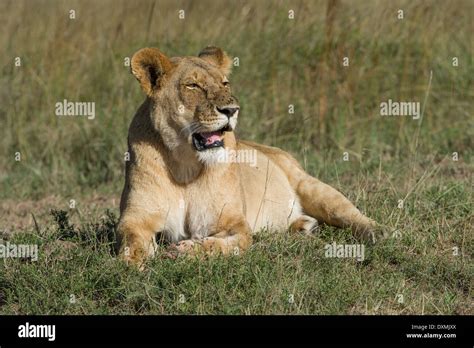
{"x": 214, "y": 246}
{"x": 133, "y": 255}
{"x": 201, "y": 247}
{"x": 184, "y": 247}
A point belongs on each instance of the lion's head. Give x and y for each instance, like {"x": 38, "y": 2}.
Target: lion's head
{"x": 193, "y": 106}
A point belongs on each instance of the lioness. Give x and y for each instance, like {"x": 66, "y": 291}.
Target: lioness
{"x": 177, "y": 183}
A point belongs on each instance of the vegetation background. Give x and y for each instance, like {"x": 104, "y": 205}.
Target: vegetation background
{"x": 425, "y": 267}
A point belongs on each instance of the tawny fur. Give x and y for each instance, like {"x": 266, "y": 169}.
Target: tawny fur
{"x": 199, "y": 205}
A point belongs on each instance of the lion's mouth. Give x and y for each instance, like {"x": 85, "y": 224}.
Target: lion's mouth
{"x": 209, "y": 140}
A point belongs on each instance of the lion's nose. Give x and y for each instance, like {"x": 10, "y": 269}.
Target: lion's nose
{"x": 229, "y": 111}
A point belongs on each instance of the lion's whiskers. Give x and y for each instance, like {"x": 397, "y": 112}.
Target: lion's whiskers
{"x": 191, "y": 128}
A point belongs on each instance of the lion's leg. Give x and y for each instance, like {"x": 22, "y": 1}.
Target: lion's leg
{"x": 330, "y": 206}
{"x": 136, "y": 237}
{"x": 233, "y": 238}
{"x": 319, "y": 200}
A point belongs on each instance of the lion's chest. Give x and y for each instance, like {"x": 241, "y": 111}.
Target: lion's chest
{"x": 200, "y": 219}
{"x": 205, "y": 207}
{"x": 196, "y": 214}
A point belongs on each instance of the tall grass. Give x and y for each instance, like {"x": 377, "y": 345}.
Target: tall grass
{"x": 282, "y": 62}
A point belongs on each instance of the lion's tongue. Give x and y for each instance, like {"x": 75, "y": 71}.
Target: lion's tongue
{"x": 212, "y": 137}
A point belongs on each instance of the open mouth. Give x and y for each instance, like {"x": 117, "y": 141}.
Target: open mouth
{"x": 209, "y": 140}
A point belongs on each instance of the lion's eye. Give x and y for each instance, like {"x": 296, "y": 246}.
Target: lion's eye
{"x": 192, "y": 86}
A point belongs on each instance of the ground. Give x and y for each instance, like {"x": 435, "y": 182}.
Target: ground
{"x": 78, "y": 272}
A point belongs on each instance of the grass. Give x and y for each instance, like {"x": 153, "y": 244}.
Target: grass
{"x": 281, "y": 62}
{"x": 281, "y": 273}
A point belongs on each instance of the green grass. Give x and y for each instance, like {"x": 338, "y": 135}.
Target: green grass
{"x": 282, "y": 62}
{"x": 419, "y": 264}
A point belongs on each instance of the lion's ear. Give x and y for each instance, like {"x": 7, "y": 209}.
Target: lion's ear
{"x": 217, "y": 57}
{"x": 150, "y": 66}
